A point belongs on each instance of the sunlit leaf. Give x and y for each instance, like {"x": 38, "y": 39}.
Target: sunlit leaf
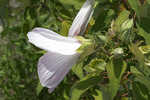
{"x": 118, "y": 51}
{"x": 127, "y": 25}
{"x": 118, "y": 24}
{"x": 124, "y": 98}
{"x": 145, "y": 49}
{"x": 64, "y": 28}
{"x": 99, "y": 95}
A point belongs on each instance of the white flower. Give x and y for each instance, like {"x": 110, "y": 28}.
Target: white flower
{"x": 51, "y": 41}
{"x": 61, "y": 51}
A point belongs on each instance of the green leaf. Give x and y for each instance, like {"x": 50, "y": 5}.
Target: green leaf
{"x": 124, "y": 98}
{"x": 115, "y": 69}
{"x": 139, "y": 91}
{"x": 135, "y": 5}
{"x": 138, "y": 54}
{"x": 87, "y": 47}
{"x": 143, "y": 18}
{"x": 103, "y": 17}
{"x": 64, "y": 28}
{"x": 139, "y": 77}
{"x": 78, "y": 70}
{"x": 66, "y": 96}
{"x": 96, "y": 65}
{"x": 99, "y": 95}
{"x": 83, "y": 85}
{"x": 42, "y": 18}
{"x": 92, "y": 21}
{"x": 124, "y": 16}
{"x": 76, "y": 3}
{"x": 143, "y": 80}
{"x": 148, "y": 1}
{"x": 127, "y": 25}
{"x": 118, "y": 51}
{"x": 134, "y": 70}
{"x": 39, "y": 88}
{"x": 144, "y": 23}
{"x": 100, "y": 18}
{"x": 145, "y": 49}
{"x": 122, "y": 27}
{"x": 103, "y": 39}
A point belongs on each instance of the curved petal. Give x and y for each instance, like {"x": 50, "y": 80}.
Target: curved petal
{"x": 81, "y": 20}
{"x": 44, "y": 30}
{"x": 52, "y": 68}
{"x": 51, "y": 41}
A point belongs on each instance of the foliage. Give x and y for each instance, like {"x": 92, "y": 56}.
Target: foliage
{"x": 115, "y": 68}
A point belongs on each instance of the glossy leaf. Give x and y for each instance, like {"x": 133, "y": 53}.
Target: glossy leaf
{"x": 118, "y": 24}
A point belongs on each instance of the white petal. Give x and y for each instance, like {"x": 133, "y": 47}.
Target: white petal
{"x": 51, "y": 41}
{"x": 52, "y": 67}
{"x": 81, "y": 20}
{"x": 44, "y": 30}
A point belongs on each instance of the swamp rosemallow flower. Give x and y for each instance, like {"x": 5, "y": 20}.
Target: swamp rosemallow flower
{"x": 61, "y": 51}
